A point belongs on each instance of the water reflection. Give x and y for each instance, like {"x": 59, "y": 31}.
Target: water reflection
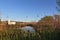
{"x": 28, "y": 28}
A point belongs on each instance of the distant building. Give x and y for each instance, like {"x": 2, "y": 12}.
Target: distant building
{"x": 11, "y": 22}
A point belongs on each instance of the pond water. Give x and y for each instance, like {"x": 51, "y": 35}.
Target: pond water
{"x": 28, "y": 28}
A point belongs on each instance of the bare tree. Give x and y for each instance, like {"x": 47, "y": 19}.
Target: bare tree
{"x": 58, "y": 5}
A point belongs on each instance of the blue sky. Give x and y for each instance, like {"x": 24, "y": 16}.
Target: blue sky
{"x": 26, "y": 10}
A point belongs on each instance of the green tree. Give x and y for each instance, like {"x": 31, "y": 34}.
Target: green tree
{"x": 46, "y": 19}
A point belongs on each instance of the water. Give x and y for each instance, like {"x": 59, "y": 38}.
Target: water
{"x": 28, "y": 28}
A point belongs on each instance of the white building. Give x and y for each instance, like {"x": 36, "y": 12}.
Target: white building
{"x": 11, "y": 22}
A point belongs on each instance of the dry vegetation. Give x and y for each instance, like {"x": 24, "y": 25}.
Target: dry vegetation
{"x": 46, "y": 29}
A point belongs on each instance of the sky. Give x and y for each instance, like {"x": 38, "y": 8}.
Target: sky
{"x": 26, "y": 10}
